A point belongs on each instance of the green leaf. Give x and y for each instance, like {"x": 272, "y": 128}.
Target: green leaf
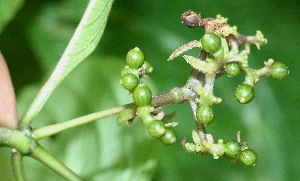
{"x": 8, "y": 9}
{"x": 83, "y": 42}
{"x": 101, "y": 150}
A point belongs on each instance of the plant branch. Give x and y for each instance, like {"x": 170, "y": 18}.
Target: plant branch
{"x": 57, "y": 128}
{"x": 176, "y": 95}
{"x": 16, "y": 160}
{"x": 46, "y": 158}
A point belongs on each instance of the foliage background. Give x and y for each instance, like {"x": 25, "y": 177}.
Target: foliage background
{"x": 36, "y": 37}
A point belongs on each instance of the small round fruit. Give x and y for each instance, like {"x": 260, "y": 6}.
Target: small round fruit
{"x": 211, "y": 42}
{"x": 169, "y": 137}
{"x": 142, "y": 95}
{"x": 279, "y": 70}
{"x": 205, "y": 115}
{"x": 135, "y": 58}
{"x": 248, "y": 157}
{"x": 156, "y": 129}
{"x": 232, "y": 148}
{"x": 244, "y": 93}
{"x": 232, "y": 69}
{"x": 129, "y": 81}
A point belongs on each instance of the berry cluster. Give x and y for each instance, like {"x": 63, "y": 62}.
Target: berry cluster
{"x": 232, "y": 149}
{"x": 131, "y": 75}
{"x": 223, "y": 51}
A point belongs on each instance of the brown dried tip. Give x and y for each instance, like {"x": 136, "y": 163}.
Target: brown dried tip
{"x": 191, "y": 19}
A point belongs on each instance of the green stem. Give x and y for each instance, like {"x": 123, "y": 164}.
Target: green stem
{"x": 17, "y": 139}
{"x": 16, "y": 160}
{"x": 57, "y": 128}
{"x": 176, "y": 95}
{"x": 46, "y": 158}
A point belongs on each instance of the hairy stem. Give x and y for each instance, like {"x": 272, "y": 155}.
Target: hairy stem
{"x": 176, "y": 95}
{"x": 46, "y": 158}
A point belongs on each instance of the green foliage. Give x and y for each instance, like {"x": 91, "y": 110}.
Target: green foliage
{"x": 272, "y": 110}
{"x": 8, "y": 10}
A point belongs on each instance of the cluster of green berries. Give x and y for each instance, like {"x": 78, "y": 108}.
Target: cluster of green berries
{"x": 220, "y": 54}
{"x": 231, "y": 149}
{"x": 130, "y": 79}
{"x": 212, "y": 44}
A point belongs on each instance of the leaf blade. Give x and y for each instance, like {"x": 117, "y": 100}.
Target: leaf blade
{"x": 82, "y": 43}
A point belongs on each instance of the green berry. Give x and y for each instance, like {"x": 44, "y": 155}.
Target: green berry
{"x": 211, "y": 42}
{"x": 142, "y": 95}
{"x": 205, "y": 114}
{"x": 124, "y": 70}
{"x": 244, "y": 93}
{"x": 248, "y": 157}
{"x": 232, "y": 148}
{"x": 169, "y": 137}
{"x": 129, "y": 81}
{"x": 279, "y": 70}
{"x": 156, "y": 129}
{"x": 135, "y": 58}
{"x": 232, "y": 69}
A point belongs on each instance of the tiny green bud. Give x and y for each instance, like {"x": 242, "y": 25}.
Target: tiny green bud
{"x": 190, "y": 147}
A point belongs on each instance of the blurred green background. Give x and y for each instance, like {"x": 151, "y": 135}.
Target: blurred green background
{"x": 34, "y": 39}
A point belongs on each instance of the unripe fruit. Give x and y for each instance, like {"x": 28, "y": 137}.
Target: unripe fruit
{"x": 248, "y": 157}
{"x": 232, "y": 148}
{"x": 232, "y": 69}
{"x": 205, "y": 114}
{"x": 142, "y": 95}
{"x": 129, "y": 81}
{"x": 211, "y": 42}
{"x": 156, "y": 129}
{"x": 279, "y": 70}
{"x": 135, "y": 58}
{"x": 244, "y": 93}
{"x": 169, "y": 137}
